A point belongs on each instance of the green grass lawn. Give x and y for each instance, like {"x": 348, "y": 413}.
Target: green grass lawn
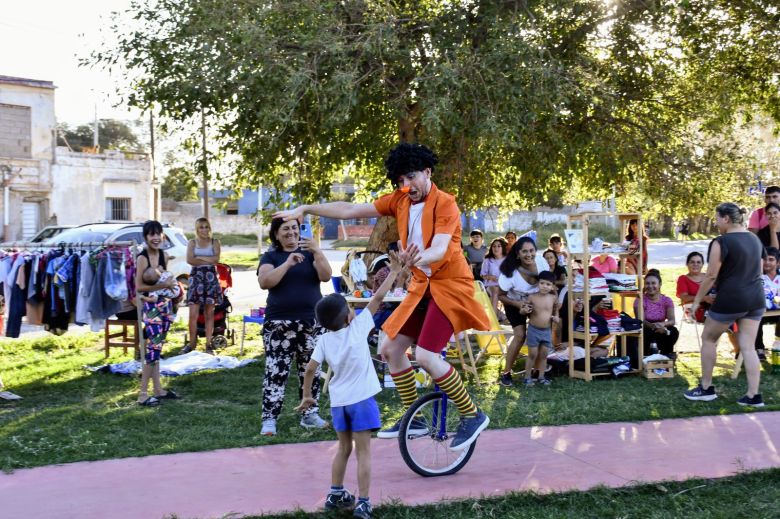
{"x": 70, "y": 414}
{"x": 240, "y": 260}
{"x": 755, "y": 495}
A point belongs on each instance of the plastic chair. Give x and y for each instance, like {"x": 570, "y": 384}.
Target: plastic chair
{"x": 688, "y": 318}
{"x": 490, "y": 342}
{"x": 249, "y": 319}
{"x": 336, "y": 280}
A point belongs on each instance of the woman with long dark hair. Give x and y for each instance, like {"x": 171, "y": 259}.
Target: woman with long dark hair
{"x": 490, "y": 272}
{"x": 735, "y": 267}
{"x": 518, "y": 279}
{"x": 635, "y": 237}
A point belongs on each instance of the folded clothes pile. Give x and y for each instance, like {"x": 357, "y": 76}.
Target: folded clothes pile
{"x": 613, "y": 320}
{"x": 621, "y": 282}
{"x": 597, "y": 285}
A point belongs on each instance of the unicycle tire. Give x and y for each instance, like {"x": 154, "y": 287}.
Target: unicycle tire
{"x": 429, "y": 454}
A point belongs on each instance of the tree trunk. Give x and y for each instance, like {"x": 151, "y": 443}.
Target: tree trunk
{"x": 385, "y": 232}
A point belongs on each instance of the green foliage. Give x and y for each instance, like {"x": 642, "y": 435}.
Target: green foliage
{"x": 523, "y": 101}
{"x": 180, "y": 185}
{"x": 112, "y": 135}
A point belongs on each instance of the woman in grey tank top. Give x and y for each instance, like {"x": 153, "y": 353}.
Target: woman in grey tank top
{"x": 734, "y": 268}
{"x": 203, "y": 254}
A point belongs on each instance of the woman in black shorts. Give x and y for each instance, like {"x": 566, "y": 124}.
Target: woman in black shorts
{"x": 734, "y": 267}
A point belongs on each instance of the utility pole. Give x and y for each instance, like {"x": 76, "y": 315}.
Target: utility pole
{"x": 155, "y": 183}
{"x": 95, "y": 132}
{"x": 205, "y": 164}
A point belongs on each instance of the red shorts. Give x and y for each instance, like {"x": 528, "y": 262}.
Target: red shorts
{"x": 428, "y": 326}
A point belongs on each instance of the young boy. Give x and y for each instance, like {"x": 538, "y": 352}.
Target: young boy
{"x": 475, "y": 253}
{"x": 771, "y": 282}
{"x": 544, "y": 312}
{"x": 556, "y": 244}
{"x": 352, "y": 387}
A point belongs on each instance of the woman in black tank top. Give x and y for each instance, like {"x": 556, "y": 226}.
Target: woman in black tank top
{"x": 157, "y": 317}
{"x": 734, "y": 268}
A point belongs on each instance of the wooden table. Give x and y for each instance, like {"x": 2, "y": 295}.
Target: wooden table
{"x": 360, "y": 302}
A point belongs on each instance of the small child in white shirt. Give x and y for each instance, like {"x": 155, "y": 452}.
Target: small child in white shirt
{"x": 353, "y": 385}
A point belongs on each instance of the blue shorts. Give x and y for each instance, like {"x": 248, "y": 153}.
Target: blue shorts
{"x": 361, "y": 416}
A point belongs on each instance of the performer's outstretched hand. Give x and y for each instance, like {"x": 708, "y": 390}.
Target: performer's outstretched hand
{"x": 410, "y": 255}
{"x": 291, "y": 214}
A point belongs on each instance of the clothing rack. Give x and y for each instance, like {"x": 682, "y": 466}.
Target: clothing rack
{"x": 81, "y": 245}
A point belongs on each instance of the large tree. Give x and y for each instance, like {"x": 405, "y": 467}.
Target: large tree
{"x": 521, "y": 99}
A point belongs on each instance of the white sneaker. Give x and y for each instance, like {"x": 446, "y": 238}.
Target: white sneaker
{"x": 313, "y": 421}
{"x": 269, "y": 427}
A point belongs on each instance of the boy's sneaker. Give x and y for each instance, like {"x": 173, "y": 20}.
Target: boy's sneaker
{"x": 469, "y": 430}
{"x": 269, "y": 427}
{"x": 545, "y": 381}
{"x": 339, "y": 501}
{"x": 313, "y": 421}
{"x": 505, "y": 379}
{"x": 699, "y": 393}
{"x": 756, "y": 401}
{"x": 529, "y": 382}
{"x": 363, "y": 510}
{"x": 419, "y": 426}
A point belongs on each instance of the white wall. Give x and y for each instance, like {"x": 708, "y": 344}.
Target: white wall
{"x": 83, "y": 181}
{"x": 30, "y": 178}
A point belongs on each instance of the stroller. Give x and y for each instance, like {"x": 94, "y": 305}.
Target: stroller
{"x": 222, "y": 331}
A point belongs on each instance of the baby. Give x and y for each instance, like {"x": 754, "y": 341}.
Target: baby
{"x": 153, "y": 276}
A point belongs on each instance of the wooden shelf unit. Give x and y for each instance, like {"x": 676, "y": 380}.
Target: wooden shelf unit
{"x": 585, "y": 257}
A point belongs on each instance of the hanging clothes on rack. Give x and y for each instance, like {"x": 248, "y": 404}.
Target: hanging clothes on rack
{"x": 55, "y": 285}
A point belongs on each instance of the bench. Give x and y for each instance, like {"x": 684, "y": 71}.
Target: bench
{"x": 122, "y": 338}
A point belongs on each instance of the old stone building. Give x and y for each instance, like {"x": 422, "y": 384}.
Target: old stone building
{"x": 44, "y": 184}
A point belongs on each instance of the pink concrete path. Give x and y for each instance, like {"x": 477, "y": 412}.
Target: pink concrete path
{"x": 275, "y": 478}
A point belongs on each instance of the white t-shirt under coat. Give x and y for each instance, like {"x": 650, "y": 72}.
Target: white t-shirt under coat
{"x": 346, "y": 352}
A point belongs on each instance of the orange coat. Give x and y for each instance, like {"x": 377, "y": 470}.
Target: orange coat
{"x": 451, "y": 282}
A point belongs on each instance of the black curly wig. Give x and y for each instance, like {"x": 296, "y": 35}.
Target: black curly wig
{"x": 408, "y": 157}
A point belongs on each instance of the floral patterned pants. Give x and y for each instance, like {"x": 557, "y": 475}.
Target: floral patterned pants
{"x": 285, "y": 341}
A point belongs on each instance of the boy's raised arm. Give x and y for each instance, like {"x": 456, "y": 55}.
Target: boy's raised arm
{"x": 398, "y": 262}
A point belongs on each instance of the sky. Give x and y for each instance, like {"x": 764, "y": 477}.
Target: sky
{"x": 42, "y": 39}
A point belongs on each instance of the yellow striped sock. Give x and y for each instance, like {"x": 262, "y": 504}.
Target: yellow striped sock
{"x": 453, "y": 387}
{"x": 406, "y": 386}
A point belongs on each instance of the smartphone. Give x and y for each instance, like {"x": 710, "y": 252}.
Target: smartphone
{"x": 306, "y": 231}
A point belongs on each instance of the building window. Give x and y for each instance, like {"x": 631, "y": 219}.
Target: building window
{"x": 231, "y": 207}
{"x": 118, "y": 209}
{"x": 15, "y": 131}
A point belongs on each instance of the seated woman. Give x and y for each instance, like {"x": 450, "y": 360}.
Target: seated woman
{"x": 555, "y": 267}
{"x": 770, "y": 234}
{"x": 688, "y": 285}
{"x": 604, "y": 263}
{"x": 659, "y": 317}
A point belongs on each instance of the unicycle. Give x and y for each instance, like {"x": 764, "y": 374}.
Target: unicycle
{"x": 425, "y": 434}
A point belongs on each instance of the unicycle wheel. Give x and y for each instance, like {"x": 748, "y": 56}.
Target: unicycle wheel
{"x": 425, "y": 433}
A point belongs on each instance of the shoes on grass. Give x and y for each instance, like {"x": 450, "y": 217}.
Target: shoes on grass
{"x": 699, "y": 393}
{"x": 269, "y": 427}
{"x": 505, "y": 379}
{"x": 340, "y": 501}
{"x": 363, "y": 510}
{"x": 313, "y": 421}
{"x": 754, "y": 401}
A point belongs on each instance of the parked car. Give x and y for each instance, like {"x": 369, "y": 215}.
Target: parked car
{"x": 50, "y": 231}
{"x": 175, "y": 243}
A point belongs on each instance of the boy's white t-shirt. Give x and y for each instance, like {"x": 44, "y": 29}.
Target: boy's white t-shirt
{"x": 772, "y": 284}
{"x": 346, "y": 352}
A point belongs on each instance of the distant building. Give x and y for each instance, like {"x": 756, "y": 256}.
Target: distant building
{"x": 47, "y": 184}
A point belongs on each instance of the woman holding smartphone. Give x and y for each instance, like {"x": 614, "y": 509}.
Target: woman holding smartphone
{"x": 291, "y": 271}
